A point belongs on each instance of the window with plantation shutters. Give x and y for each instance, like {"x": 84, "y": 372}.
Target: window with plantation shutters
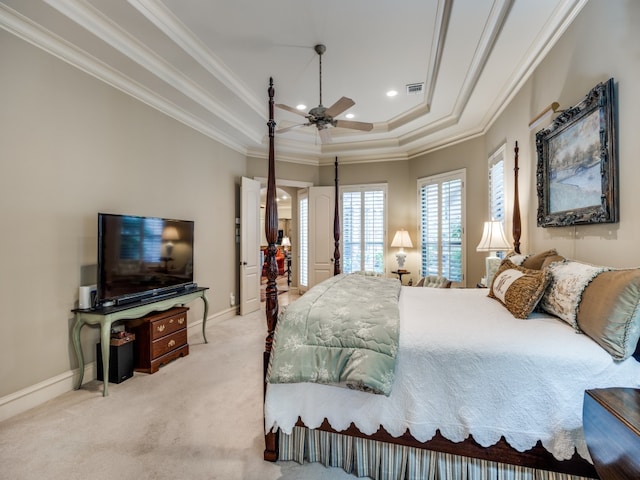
{"x": 141, "y": 239}
{"x": 442, "y": 241}
{"x": 363, "y": 220}
{"x": 496, "y": 185}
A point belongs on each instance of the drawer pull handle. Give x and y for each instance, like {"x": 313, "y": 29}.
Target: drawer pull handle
{"x": 181, "y": 320}
{"x": 171, "y": 343}
{"x": 161, "y": 328}
{"x": 171, "y": 321}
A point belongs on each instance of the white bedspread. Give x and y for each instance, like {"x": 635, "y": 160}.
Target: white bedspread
{"x": 467, "y": 366}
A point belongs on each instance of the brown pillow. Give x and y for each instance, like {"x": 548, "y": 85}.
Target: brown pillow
{"x": 535, "y": 261}
{"x": 551, "y": 259}
{"x": 609, "y": 311}
{"x": 517, "y": 288}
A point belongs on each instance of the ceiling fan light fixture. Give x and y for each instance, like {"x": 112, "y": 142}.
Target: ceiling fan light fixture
{"x": 324, "y": 117}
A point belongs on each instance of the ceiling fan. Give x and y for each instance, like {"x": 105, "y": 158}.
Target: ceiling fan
{"x": 323, "y": 117}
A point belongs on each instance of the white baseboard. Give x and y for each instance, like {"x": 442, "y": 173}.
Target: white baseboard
{"x": 34, "y": 395}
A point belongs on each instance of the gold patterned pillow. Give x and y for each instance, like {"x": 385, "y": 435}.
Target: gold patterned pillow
{"x": 518, "y": 288}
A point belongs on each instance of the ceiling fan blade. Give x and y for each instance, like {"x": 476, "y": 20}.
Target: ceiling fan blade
{"x": 290, "y": 109}
{"x": 365, "y": 127}
{"x": 340, "y": 106}
{"x": 286, "y": 129}
{"x": 325, "y": 135}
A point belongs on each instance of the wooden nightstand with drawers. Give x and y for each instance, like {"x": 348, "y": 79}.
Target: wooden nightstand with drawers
{"x": 611, "y": 419}
{"x": 160, "y": 338}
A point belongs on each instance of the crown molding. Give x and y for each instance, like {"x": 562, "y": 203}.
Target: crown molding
{"x": 158, "y": 14}
{"x": 88, "y": 17}
{"x": 384, "y": 147}
{"x": 563, "y": 17}
{"x": 25, "y": 29}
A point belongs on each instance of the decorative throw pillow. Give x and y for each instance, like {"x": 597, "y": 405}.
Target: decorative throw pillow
{"x": 535, "y": 261}
{"x": 610, "y": 311}
{"x": 551, "y": 259}
{"x": 516, "y": 258}
{"x": 568, "y": 281}
{"x": 517, "y": 288}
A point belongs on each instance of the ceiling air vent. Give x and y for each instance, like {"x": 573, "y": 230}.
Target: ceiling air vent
{"x": 415, "y": 88}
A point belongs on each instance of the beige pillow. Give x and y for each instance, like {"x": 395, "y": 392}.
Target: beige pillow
{"x": 535, "y": 261}
{"x": 517, "y": 288}
{"x": 551, "y": 259}
{"x": 568, "y": 280}
{"x": 609, "y": 311}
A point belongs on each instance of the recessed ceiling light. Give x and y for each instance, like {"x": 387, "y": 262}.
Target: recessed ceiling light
{"x": 349, "y": 115}
{"x": 301, "y": 107}
{"x": 392, "y": 93}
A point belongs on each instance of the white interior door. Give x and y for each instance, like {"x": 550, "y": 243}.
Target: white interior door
{"x": 321, "y": 246}
{"x": 250, "y": 266}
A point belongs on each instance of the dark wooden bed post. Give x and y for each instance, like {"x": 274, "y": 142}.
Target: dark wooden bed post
{"x": 271, "y": 231}
{"x": 517, "y": 226}
{"x": 336, "y": 225}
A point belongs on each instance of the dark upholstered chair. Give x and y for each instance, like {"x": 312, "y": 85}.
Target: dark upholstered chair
{"x": 434, "y": 281}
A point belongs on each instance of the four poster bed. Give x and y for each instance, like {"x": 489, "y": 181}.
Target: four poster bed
{"x": 468, "y": 405}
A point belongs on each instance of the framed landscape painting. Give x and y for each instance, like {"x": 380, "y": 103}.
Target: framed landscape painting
{"x": 576, "y": 177}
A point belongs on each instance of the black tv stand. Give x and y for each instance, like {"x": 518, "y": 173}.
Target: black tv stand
{"x": 106, "y": 316}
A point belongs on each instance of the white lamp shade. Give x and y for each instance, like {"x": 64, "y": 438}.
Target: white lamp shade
{"x": 286, "y": 242}
{"x": 493, "y": 238}
{"x": 402, "y": 239}
{"x": 170, "y": 234}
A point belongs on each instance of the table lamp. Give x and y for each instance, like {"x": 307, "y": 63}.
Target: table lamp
{"x": 286, "y": 243}
{"x": 401, "y": 240}
{"x": 493, "y": 240}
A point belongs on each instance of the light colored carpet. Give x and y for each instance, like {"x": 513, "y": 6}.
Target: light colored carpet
{"x": 199, "y": 417}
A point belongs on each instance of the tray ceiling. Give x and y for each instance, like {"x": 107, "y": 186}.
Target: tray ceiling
{"x": 208, "y": 64}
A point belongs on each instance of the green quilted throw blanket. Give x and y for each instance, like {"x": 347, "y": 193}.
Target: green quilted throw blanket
{"x": 343, "y": 332}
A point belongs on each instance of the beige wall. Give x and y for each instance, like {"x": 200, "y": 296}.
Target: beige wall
{"x": 259, "y": 167}
{"x": 400, "y": 206}
{"x": 470, "y": 156}
{"x": 73, "y": 146}
{"x": 401, "y": 178}
{"x": 603, "y": 42}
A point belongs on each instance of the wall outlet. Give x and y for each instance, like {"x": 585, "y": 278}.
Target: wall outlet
{"x": 232, "y": 299}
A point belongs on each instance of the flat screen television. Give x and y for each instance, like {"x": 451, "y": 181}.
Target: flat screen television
{"x": 142, "y": 257}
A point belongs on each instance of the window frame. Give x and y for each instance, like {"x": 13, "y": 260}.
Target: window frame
{"x": 439, "y": 179}
{"x": 367, "y": 187}
{"x": 499, "y": 156}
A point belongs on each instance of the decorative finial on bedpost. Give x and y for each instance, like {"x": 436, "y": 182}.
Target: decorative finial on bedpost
{"x": 336, "y": 225}
{"x": 516, "y": 226}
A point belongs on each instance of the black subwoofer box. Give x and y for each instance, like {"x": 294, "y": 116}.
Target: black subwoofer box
{"x": 120, "y": 362}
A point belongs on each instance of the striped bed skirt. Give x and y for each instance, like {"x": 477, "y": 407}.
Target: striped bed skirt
{"x": 385, "y": 461}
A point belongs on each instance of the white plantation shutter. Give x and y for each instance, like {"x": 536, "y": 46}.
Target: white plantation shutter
{"x": 363, "y": 228}
{"x": 441, "y": 199}
{"x": 451, "y": 233}
{"x": 351, "y": 232}
{"x": 303, "y": 217}
{"x": 496, "y": 189}
{"x": 430, "y": 229}
{"x": 141, "y": 238}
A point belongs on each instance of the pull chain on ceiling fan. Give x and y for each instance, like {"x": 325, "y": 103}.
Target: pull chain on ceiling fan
{"x": 323, "y": 117}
